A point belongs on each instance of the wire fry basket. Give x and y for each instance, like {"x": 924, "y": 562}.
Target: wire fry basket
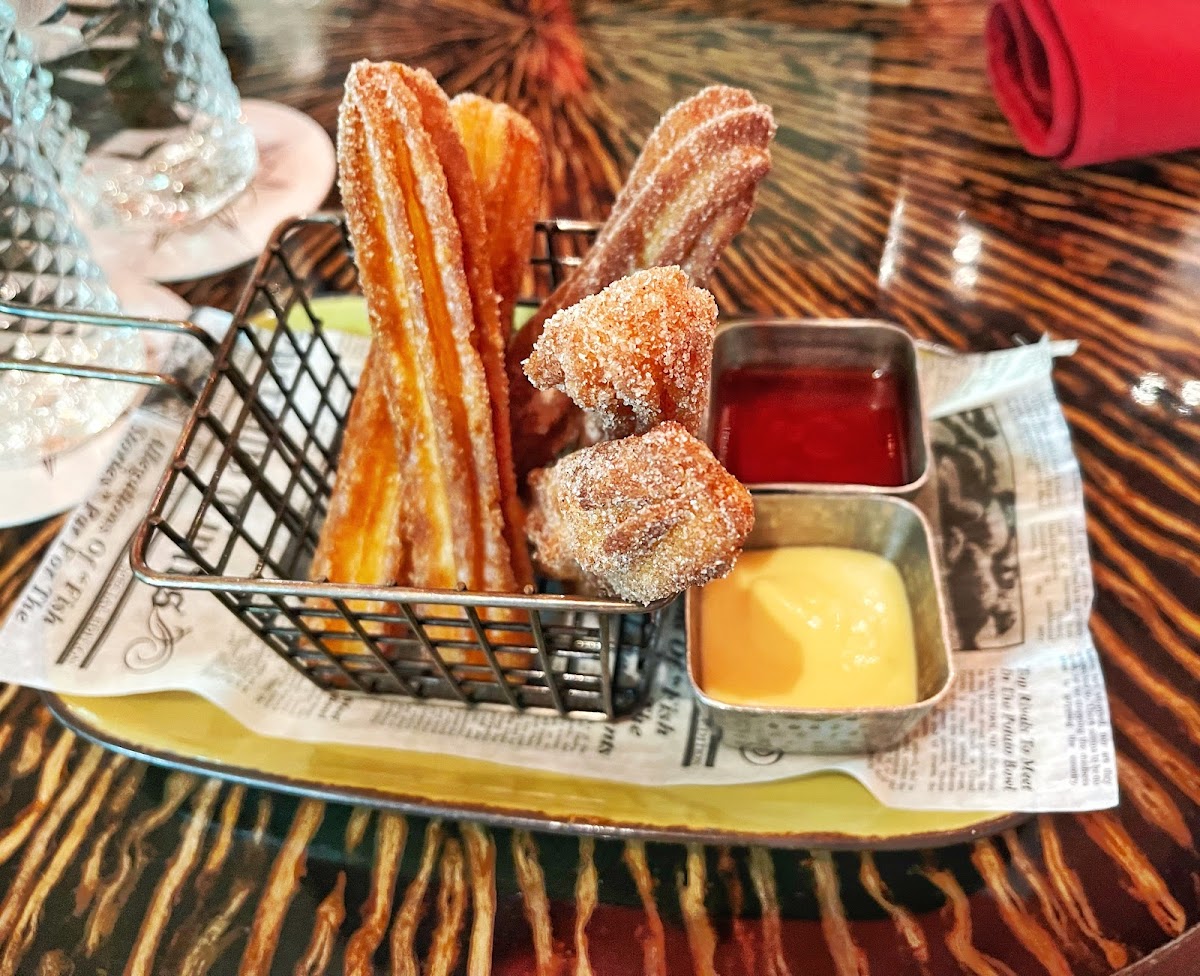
{"x": 240, "y": 507}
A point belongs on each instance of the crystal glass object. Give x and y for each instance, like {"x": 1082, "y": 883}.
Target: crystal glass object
{"x": 148, "y": 84}
{"x": 45, "y": 261}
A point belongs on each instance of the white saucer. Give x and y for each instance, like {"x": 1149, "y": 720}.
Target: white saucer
{"x": 296, "y": 168}
{"x": 145, "y": 299}
{"x": 36, "y": 491}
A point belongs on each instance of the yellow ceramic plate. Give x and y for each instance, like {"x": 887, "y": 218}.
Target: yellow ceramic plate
{"x": 821, "y": 810}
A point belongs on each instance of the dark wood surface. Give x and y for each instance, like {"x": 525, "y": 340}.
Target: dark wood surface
{"x": 898, "y": 191}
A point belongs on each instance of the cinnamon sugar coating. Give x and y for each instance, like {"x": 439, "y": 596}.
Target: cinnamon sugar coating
{"x": 648, "y": 515}
{"x": 635, "y": 355}
{"x": 689, "y": 193}
{"x": 547, "y": 532}
{"x": 509, "y": 164}
{"x": 437, "y": 393}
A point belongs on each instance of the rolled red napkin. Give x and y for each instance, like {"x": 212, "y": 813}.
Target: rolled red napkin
{"x": 1090, "y": 81}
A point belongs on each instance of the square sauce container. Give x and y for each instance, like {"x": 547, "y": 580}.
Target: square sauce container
{"x": 887, "y": 526}
{"x": 823, "y": 421}
{"x": 819, "y": 405}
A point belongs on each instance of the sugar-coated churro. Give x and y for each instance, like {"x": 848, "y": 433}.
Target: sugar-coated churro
{"x": 361, "y": 540}
{"x": 688, "y": 194}
{"x": 509, "y": 164}
{"x": 634, "y": 355}
{"x": 648, "y": 515}
{"x": 547, "y": 534}
{"x": 417, "y": 224}
{"x": 491, "y": 333}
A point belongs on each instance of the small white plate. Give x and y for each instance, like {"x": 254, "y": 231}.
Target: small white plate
{"x": 296, "y": 168}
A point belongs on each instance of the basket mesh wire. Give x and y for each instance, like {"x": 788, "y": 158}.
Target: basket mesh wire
{"x": 241, "y": 506}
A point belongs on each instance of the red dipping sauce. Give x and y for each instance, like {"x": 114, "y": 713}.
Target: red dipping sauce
{"x": 800, "y": 424}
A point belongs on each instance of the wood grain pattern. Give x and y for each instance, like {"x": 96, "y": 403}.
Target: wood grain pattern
{"x": 899, "y": 192}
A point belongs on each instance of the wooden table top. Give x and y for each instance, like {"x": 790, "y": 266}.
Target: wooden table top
{"x": 898, "y": 192}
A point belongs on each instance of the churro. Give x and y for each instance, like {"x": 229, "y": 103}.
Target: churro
{"x": 417, "y": 225}
{"x": 491, "y": 334}
{"x": 689, "y": 193}
{"x": 509, "y": 165}
{"x": 361, "y": 540}
{"x": 648, "y": 515}
{"x": 547, "y": 534}
{"x": 637, "y": 354}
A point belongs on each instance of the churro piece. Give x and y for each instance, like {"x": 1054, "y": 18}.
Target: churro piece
{"x": 691, "y": 190}
{"x": 637, "y": 354}
{"x": 361, "y": 540}
{"x": 491, "y": 334}
{"x": 417, "y": 225}
{"x": 648, "y": 515}
{"x": 548, "y": 535}
{"x": 546, "y": 530}
{"x": 509, "y": 165}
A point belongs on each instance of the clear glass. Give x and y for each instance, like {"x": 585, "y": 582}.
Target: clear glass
{"x": 148, "y": 84}
{"x": 45, "y": 261}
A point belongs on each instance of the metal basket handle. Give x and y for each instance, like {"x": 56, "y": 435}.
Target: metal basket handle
{"x": 163, "y": 381}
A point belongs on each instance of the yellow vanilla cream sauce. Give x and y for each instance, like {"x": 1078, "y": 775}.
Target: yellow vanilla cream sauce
{"x": 808, "y": 627}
